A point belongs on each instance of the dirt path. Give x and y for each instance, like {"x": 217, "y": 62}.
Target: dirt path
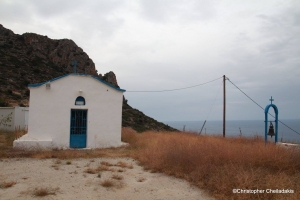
{"x": 83, "y": 179}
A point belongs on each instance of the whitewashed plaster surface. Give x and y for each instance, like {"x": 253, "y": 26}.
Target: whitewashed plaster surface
{"x": 18, "y": 117}
{"x": 50, "y": 109}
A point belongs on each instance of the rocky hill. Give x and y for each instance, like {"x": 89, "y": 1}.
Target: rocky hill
{"x": 33, "y": 58}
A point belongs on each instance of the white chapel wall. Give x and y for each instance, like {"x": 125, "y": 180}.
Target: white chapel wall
{"x": 49, "y": 116}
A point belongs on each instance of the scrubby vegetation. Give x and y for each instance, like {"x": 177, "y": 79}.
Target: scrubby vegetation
{"x": 7, "y": 138}
{"x": 213, "y": 163}
{"x": 7, "y": 184}
{"x": 41, "y": 192}
{"x": 219, "y": 164}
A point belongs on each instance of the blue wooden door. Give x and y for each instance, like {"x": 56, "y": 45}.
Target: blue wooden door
{"x": 78, "y": 128}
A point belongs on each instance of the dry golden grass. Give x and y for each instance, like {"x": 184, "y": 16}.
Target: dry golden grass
{"x": 91, "y": 171}
{"x": 117, "y": 183}
{"x": 219, "y": 164}
{"x": 6, "y": 140}
{"x": 7, "y": 184}
{"x": 105, "y": 168}
{"x": 141, "y": 179}
{"x": 106, "y": 163}
{"x": 107, "y": 183}
{"x": 9, "y": 152}
{"x": 213, "y": 163}
{"x": 129, "y": 135}
{"x": 41, "y": 192}
{"x": 19, "y": 133}
{"x": 117, "y": 177}
{"x": 124, "y": 165}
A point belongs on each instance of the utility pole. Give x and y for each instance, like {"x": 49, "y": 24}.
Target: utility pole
{"x": 224, "y": 106}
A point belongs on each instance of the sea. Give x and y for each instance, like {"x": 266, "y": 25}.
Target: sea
{"x": 244, "y": 128}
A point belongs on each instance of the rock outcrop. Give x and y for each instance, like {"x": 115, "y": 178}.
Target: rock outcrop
{"x": 111, "y": 78}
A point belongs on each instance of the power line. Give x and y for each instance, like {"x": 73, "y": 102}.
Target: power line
{"x": 170, "y": 90}
{"x": 245, "y": 94}
{"x": 261, "y": 106}
{"x": 288, "y": 127}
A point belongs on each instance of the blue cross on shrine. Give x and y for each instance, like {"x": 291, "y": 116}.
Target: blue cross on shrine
{"x": 74, "y": 64}
{"x": 271, "y": 99}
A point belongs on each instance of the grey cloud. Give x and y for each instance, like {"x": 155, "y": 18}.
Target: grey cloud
{"x": 273, "y": 49}
{"x": 177, "y": 10}
{"x": 157, "y": 10}
{"x": 281, "y": 38}
{"x": 259, "y": 54}
{"x": 84, "y": 8}
{"x": 14, "y": 13}
{"x": 82, "y": 18}
{"x": 94, "y": 28}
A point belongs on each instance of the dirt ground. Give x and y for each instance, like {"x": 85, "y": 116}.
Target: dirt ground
{"x": 84, "y": 179}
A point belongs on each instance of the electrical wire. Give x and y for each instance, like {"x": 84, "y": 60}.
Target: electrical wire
{"x": 244, "y": 93}
{"x": 289, "y": 127}
{"x": 260, "y": 106}
{"x": 170, "y": 90}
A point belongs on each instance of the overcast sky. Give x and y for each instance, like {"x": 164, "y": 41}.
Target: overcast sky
{"x": 169, "y": 44}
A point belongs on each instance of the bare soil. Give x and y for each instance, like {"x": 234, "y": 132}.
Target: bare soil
{"x": 115, "y": 178}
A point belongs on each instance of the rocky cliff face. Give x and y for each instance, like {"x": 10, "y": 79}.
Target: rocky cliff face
{"x": 32, "y": 47}
{"x": 33, "y": 58}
